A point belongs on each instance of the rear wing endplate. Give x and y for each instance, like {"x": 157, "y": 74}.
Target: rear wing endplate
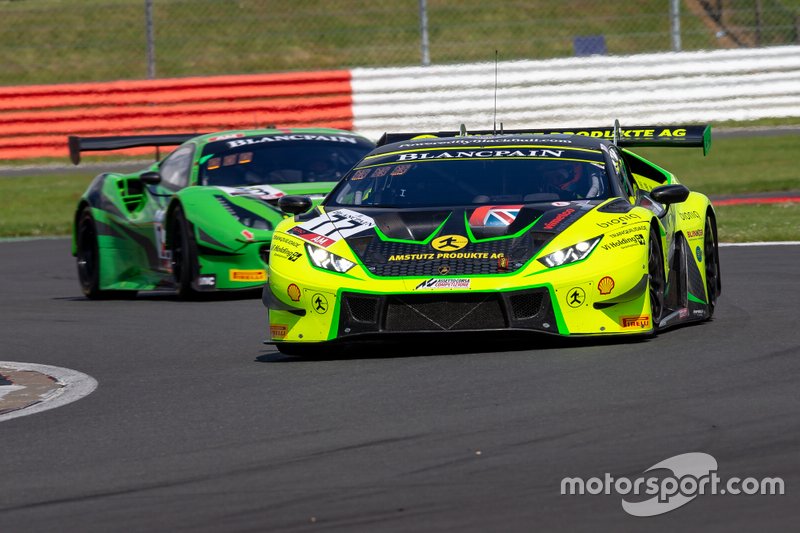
{"x": 692, "y": 136}
{"x": 94, "y": 144}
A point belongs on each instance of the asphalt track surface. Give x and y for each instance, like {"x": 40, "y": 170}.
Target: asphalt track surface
{"x": 197, "y": 426}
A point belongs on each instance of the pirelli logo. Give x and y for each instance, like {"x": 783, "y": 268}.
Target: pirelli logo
{"x": 641, "y": 321}
{"x": 248, "y": 275}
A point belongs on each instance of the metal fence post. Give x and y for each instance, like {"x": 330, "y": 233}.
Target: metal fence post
{"x": 423, "y": 28}
{"x": 151, "y": 42}
{"x": 675, "y": 17}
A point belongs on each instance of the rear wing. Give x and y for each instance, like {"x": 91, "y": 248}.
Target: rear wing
{"x": 695, "y": 136}
{"x": 95, "y": 144}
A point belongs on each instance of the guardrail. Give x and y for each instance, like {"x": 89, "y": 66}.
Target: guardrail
{"x": 36, "y": 120}
{"x": 689, "y": 87}
{"x": 693, "y": 87}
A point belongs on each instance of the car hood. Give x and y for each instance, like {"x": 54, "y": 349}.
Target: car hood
{"x": 452, "y": 241}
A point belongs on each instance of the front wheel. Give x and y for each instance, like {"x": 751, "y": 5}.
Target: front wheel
{"x": 712, "y": 264}
{"x": 657, "y": 282}
{"x": 184, "y": 255}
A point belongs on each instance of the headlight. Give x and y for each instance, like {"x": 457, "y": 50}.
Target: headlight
{"x": 324, "y": 259}
{"x": 576, "y": 252}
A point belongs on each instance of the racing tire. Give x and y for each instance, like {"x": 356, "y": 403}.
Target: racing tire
{"x": 88, "y": 260}
{"x": 711, "y": 251}
{"x": 184, "y": 255}
{"x": 656, "y": 277}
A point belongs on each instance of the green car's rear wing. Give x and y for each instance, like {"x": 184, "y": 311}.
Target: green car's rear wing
{"x": 674, "y": 136}
{"x": 94, "y": 144}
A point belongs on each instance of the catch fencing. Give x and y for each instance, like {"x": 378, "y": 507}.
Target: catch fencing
{"x": 58, "y": 41}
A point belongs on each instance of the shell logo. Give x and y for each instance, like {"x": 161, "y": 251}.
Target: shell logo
{"x": 605, "y": 285}
{"x": 449, "y": 243}
{"x": 294, "y": 292}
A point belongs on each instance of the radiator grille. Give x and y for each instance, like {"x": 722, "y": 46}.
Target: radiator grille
{"x": 443, "y": 312}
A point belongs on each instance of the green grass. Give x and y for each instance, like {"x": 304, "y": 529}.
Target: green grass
{"x": 43, "y": 205}
{"x": 770, "y": 222}
{"x": 50, "y": 41}
{"x": 40, "y": 205}
{"x": 735, "y": 165}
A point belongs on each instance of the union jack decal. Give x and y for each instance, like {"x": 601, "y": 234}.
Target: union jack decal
{"x": 494, "y": 215}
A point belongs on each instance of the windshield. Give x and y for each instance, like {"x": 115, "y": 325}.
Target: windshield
{"x": 456, "y": 177}
{"x": 277, "y": 162}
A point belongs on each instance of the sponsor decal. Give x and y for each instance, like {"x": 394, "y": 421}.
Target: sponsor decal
{"x": 225, "y": 137}
{"x": 694, "y": 234}
{"x": 446, "y": 255}
{"x": 628, "y": 230}
{"x": 484, "y": 137}
{"x": 247, "y": 234}
{"x": 494, "y": 215}
{"x": 502, "y": 263}
{"x": 623, "y": 219}
{"x": 278, "y": 138}
{"x": 556, "y": 220}
{"x": 605, "y": 285}
{"x": 279, "y": 237}
{"x": 294, "y": 292}
{"x": 689, "y": 215}
{"x": 699, "y": 253}
{"x": 560, "y": 204}
{"x": 324, "y": 230}
{"x": 164, "y": 253}
{"x": 641, "y": 321}
{"x": 207, "y": 280}
{"x": 447, "y": 243}
{"x": 698, "y": 312}
{"x": 444, "y": 270}
{"x": 287, "y": 253}
{"x": 312, "y": 237}
{"x": 262, "y": 192}
{"x": 626, "y": 242}
{"x": 443, "y": 283}
{"x": 478, "y": 154}
{"x": 319, "y": 303}
{"x": 248, "y": 275}
{"x": 575, "y": 297}
{"x": 278, "y": 331}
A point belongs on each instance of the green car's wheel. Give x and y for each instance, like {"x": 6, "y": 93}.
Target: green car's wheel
{"x": 184, "y": 254}
{"x": 88, "y": 259}
{"x": 655, "y": 270}
{"x": 712, "y": 264}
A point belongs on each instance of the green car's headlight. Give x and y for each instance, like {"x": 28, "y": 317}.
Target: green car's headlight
{"x": 568, "y": 255}
{"x": 324, "y": 259}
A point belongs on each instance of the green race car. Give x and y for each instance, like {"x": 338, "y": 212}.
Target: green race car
{"x": 546, "y": 231}
{"x": 202, "y": 218}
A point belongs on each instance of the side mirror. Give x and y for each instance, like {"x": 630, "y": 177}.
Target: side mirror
{"x": 294, "y": 205}
{"x": 670, "y": 194}
{"x": 150, "y": 177}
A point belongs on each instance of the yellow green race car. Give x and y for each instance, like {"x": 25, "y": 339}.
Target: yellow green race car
{"x": 549, "y": 231}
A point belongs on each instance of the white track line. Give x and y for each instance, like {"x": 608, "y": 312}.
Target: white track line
{"x": 74, "y": 386}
